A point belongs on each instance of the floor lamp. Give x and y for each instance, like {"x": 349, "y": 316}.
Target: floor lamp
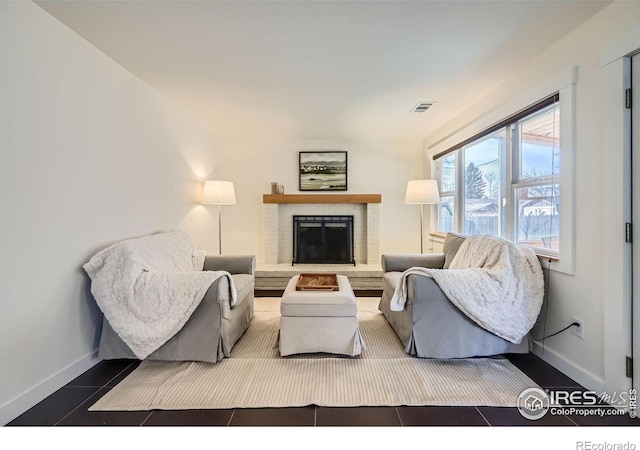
{"x": 219, "y": 193}
{"x": 422, "y": 192}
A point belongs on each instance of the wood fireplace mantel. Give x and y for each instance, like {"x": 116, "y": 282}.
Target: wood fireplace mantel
{"x": 322, "y": 198}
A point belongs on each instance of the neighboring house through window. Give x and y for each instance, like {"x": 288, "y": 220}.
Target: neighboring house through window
{"x": 505, "y": 181}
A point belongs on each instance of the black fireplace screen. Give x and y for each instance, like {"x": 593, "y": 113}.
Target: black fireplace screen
{"x": 323, "y": 240}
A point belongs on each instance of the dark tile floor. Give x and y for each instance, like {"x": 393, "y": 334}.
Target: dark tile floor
{"x": 68, "y": 407}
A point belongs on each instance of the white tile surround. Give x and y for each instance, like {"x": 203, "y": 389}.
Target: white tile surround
{"x": 279, "y": 229}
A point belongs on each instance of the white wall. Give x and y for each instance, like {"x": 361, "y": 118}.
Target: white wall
{"x": 374, "y": 167}
{"x": 581, "y": 295}
{"x": 88, "y": 155}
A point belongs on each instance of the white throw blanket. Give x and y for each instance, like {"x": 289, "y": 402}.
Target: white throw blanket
{"x": 148, "y": 287}
{"x": 497, "y": 284}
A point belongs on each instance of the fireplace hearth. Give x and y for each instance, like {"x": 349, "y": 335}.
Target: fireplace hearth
{"x": 323, "y": 240}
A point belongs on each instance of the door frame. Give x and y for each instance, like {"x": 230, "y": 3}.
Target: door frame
{"x": 634, "y": 73}
{"x": 617, "y": 254}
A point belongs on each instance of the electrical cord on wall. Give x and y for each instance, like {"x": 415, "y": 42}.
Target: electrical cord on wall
{"x": 545, "y": 302}
{"x": 546, "y": 309}
{"x": 557, "y": 332}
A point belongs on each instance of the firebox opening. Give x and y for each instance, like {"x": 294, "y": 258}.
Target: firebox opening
{"x": 323, "y": 240}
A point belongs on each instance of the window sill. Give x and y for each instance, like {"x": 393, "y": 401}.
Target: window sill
{"x": 550, "y": 258}
{"x": 540, "y": 254}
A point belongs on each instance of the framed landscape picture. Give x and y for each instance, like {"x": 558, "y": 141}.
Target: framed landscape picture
{"x": 323, "y": 171}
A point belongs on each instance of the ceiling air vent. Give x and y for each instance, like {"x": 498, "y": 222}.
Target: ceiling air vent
{"x": 422, "y": 107}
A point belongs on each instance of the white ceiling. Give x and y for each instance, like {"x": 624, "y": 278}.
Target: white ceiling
{"x": 322, "y": 69}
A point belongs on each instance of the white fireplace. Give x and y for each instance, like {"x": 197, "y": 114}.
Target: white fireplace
{"x": 280, "y": 209}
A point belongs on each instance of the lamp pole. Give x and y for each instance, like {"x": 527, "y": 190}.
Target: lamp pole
{"x": 217, "y": 192}
{"x": 422, "y": 192}
{"x": 219, "y": 229}
{"x": 421, "y": 228}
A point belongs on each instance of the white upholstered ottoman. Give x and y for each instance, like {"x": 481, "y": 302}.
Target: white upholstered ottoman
{"x": 319, "y": 321}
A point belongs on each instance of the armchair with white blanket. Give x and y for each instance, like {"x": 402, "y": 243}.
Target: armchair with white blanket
{"x": 163, "y": 300}
{"x": 480, "y": 297}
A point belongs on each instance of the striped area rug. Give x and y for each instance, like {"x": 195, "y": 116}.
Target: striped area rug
{"x": 255, "y": 376}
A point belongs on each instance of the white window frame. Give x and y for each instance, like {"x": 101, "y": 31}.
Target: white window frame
{"x": 518, "y": 181}
{"x": 563, "y": 83}
{"x": 442, "y": 193}
{"x": 461, "y": 154}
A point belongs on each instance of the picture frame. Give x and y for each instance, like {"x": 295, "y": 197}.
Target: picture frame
{"x": 323, "y": 170}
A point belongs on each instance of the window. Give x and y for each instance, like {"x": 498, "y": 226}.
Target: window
{"x": 505, "y": 181}
{"x": 447, "y": 188}
{"x": 536, "y": 184}
{"x": 483, "y": 192}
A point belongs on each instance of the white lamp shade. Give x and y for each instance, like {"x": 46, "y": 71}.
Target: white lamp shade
{"x": 218, "y": 193}
{"x": 422, "y": 192}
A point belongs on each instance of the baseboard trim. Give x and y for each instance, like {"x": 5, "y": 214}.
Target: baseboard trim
{"x": 573, "y": 371}
{"x": 15, "y": 407}
{"x": 279, "y": 292}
